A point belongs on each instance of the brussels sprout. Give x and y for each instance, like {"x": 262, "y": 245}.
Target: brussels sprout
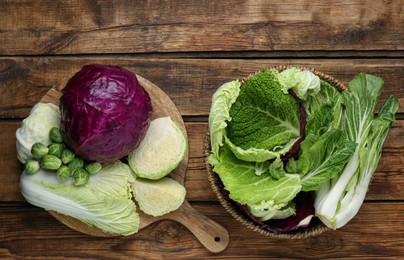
{"x": 56, "y": 150}
{"x": 80, "y": 177}
{"x": 63, "y": 173}
{"x": 76, "y": 164}
{"x": 50, "y": 162}
{"x": 39, "y": 149}
{"x": 55, "y": 135}
{"x": 32, "y": 166}
{"x": 67, "y": 156}
{"x": 93, "y": 168}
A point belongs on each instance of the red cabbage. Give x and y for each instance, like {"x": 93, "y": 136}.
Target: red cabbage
{"x": 105, "y": 112}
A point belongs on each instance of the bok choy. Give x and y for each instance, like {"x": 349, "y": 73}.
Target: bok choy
{"x": 339, "y": 199}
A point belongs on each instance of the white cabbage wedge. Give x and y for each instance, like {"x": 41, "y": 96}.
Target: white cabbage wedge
{"x": 158, "y": 197}
{"x": 161, "y": 151}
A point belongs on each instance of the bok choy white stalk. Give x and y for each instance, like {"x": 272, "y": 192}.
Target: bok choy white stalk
{"x": 339, "y": 199}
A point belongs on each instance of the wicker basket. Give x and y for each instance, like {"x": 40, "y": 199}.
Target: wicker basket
{"x": 215, "y": 182}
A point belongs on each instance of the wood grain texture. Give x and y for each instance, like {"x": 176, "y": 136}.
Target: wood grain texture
{"x": 387, "y": 183}
{"x": 189, "y": 49}
{"x": 209, "y": 233}
{"x": 190, "y": 83}
{"x": 73, "y": 27}
{"x": 32, "y": 233}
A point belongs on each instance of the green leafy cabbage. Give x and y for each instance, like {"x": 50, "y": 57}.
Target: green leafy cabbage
{"x": 303, "y": 82}
{"x": 219, "y": 115}
{"x": 266, "y": 211}
{"x": 265, "y": 122}
{"x": 245, "y": 186}
{"x": 339, "y": 199}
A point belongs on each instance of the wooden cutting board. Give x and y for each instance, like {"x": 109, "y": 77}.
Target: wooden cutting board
{"x": 212, "y": 235}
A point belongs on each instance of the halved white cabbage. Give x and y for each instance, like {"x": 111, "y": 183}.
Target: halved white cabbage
{"x": 161, "y": 151}
{"x": 158, "y": 197}
{"x": 35, "y": 128}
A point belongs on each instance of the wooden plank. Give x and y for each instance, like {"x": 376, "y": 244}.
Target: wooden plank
{"x": 29, "y": 232}
{"x": 190, "y": 83}
{"x": 386, "y": 185}
{"x": 47, "y": 27}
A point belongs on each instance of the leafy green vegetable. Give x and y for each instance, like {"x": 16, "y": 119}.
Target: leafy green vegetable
{"x": 105, "y": 202}
{"x": 360, "y": 102}
{"x": 257, "y": 154}
{"x": 253, "y": 128}
{"x": 262, "y": 123}
{"x": 303, "y": 83}
{"x": 369, "y": 158}
{"x": 327, "y": 94}
{"x": 339, "y": 199}
{"x": 265, "y": 211}
{"x": 323, "y": 160}
{"x": 222, "y": 100}
{"x": 276, "y": 169}
{"x": 320, "y": 121}
{"x": 324, "y": 110}
{"x": 264, "y": 120}
{"x": 246, "y": 187}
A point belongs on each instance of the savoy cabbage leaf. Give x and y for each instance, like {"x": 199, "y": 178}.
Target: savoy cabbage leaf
{"x": 265, "y": 120}
{"x": 222, "y": 100}
{"x": 245, "y": 186}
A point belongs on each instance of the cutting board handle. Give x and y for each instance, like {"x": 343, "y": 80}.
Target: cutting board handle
{"x": 211, "y": 234}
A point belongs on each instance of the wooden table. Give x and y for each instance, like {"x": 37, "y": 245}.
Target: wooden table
{"x": 188, "y": 49}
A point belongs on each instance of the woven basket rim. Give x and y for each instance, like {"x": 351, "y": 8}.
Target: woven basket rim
{"x": 214, "y": 179}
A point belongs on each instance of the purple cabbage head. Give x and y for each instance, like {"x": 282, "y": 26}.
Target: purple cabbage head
{"x": 105, "y": 112}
